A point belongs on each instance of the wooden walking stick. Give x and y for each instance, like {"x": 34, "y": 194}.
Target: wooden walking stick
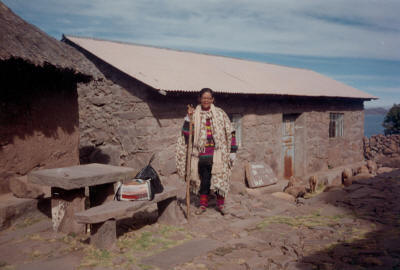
{"x": 188, "y": 163}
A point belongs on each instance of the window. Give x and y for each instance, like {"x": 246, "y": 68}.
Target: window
{"x": 236, "y": 120}
{"x": 335, "y": 125}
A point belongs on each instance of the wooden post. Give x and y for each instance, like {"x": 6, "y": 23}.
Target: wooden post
{"x": 188, "y": 165}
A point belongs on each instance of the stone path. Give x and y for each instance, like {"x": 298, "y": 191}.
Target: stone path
{"x": 181, "y": 253}
{"x": 356, "y": 227}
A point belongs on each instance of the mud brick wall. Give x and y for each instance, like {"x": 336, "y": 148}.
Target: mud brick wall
{"x": 38, "y": 119}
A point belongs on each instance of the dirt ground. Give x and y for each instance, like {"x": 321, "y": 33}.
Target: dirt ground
{"x": 355, "y": 227}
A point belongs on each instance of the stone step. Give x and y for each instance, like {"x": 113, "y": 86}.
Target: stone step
{"x": 43, "y": 224}
{"x": 12, "y": 208}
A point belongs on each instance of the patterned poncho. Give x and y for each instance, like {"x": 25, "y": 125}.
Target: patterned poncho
{"x": 222, "y": 135}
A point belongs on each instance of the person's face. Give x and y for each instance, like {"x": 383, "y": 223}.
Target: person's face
{"x": 206, "y": 100}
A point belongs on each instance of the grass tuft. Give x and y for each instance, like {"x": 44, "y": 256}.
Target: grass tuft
{"x": 97, "y": 257}
{"x": 133, "y": 246}
{"x": 27, "y": 222}
{"x": 313, "y": 220}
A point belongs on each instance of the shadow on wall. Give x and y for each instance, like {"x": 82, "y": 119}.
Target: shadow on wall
{"x": 92, "y": 154}
{"x": 36, "y": 99}
{"x": 369, "y": 237}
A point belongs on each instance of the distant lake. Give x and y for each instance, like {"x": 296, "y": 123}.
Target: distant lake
{"x": 373, "y": 124}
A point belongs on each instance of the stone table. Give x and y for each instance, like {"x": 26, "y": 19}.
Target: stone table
{"x": 68, "y": 190}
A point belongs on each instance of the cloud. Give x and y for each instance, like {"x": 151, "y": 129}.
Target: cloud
{"x": 387, "y": 96}
{"x": 382, "y": 102}
{"x": 352, "y": 28}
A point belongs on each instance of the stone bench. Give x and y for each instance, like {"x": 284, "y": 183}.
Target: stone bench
{"x": 103, "y": 217}
{"x": 68, "y": 186}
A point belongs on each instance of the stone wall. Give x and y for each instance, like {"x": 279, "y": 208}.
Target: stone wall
{"x": 324, "y": 152}
{"x": 39, "y": 121}
{"x": 380, "y": 147}
{"x": 123, "y": 122}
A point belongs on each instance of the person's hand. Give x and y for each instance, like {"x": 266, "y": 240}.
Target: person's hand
{"x": 190, "y": 110}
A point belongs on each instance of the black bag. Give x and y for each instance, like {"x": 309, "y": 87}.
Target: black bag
{"x": 148, "y": 172}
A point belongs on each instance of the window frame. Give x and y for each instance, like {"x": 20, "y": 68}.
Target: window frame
{"x": 336, "y": 125}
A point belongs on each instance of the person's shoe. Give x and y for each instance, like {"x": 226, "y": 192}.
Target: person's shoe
{"x": 221, "y": 209}
{"x": 200, "y": 210}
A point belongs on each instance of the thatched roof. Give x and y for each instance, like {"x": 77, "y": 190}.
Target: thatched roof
{"x": 21, "y": 40}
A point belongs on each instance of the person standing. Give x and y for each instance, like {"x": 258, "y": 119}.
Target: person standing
{"x": 214, "y": 151}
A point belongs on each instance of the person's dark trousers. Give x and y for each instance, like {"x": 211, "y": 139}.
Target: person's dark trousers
{"x": 205, "y": 168}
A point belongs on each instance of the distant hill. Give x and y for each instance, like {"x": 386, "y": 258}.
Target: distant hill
{"x": 377, "y": 110}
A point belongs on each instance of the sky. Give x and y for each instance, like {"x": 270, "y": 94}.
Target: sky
{"x": 356, "y": 42}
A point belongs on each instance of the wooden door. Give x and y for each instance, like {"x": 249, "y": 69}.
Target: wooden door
{"x": 288, "y": 145}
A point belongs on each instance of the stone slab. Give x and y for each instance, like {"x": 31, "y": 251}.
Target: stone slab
{"x": 182, "y": 253}
{"x": 259, "y": 174}
{"x": 121, "y": 209}
{"x": 81, "y": 176}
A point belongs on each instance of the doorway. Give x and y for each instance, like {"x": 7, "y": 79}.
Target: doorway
{"x": 288, "y": 144}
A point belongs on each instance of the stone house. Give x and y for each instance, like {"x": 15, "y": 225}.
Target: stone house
{"x": 296, "y": 120}
{"x": 39, "y": 113}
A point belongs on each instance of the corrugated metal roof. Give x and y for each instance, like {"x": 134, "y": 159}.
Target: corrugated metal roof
{"x": 172, "y": 70}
